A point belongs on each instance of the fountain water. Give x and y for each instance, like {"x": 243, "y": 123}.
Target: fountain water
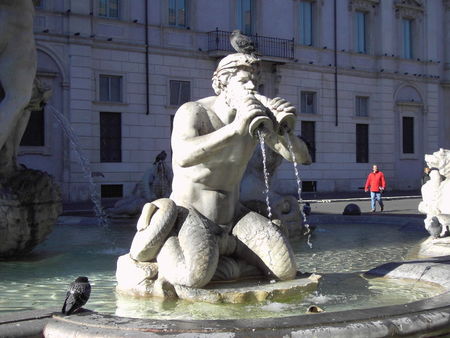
{"x": 84, "y": 162}
{"x": 341, "y": 252}
{"x": 299, "y": 190}
{"x": 266, "y": 173}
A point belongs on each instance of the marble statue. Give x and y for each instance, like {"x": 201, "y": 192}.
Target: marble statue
{"x": 29, "y": 201}
{"x": 203, "y": 232}
{"x": 436, "y": 194}
{"x": 154, "y": 184}
{"x": 17, "y": 63}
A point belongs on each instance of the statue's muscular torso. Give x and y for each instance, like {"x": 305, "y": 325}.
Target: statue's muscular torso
{"x": 211, "y": 186}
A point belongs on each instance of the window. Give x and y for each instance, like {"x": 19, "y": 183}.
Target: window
{"x": 407, "y": 38}
{"x": 361, "y": 32}
{"x": 110, "y": 137}
{"x": 108, "y": 8}
{"x": 309, "y": 136}
{"x": 111, "y": 190}
{"x": 309, "y": 186}
{"x": 408, "y": 135}
{"x": 306, "y": 23}
{"x": 362, "y": 143}
{"x": 244, "y": 16}
{"x": 180, "y": 92}
{"x": 362, "y": 106}
{"x": 177, "y": 13}
{"x": 110, "y": 88}
{"x": 308, "y": 102}
{"x": 34, "y": 135}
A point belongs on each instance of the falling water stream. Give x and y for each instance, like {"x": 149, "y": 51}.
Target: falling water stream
{"x": 299, "y": 189}
{"x": 84, "y": 162}
{"x": 266, "y": 173}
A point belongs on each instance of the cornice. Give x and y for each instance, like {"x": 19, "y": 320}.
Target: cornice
{"x": 365, "y": 5}
{"x": 409, "y": 8}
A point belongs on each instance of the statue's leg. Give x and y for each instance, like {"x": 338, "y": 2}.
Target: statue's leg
{"x": 17, "y": 72}
{"x": 263, "y": 244}
{"x": 191, "y": 258}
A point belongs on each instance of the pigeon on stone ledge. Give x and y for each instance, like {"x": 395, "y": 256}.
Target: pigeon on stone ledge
{"x": 242, "y": 43}
{"x": 77, "y": 295}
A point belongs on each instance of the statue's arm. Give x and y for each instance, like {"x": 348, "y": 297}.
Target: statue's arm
{"x": 189, "y": 143}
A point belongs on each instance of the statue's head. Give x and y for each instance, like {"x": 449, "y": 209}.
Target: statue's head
{"x": 229, "y": 66}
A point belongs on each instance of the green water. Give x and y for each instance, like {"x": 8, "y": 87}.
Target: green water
{"x": 339, "y": 253}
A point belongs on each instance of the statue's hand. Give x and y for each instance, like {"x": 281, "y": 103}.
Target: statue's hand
{"x": 278, "y": 105}
{"x": 249, "y": 108}
{"x": 284, "y": 113}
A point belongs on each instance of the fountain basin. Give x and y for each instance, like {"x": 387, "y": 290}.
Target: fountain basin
{"x": 427, "y": 315}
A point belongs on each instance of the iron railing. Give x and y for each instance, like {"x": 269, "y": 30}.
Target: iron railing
{"x": 266, "y": 46}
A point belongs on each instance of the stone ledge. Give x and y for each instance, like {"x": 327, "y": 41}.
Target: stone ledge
{"x": 250, "y": 290}
{"x": 435, "y": 247}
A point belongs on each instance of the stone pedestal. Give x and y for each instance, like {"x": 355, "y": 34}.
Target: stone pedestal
{"x": 251, "y": 290}
{"x": 30, "y": 203}
{"x": 140, "y": 279}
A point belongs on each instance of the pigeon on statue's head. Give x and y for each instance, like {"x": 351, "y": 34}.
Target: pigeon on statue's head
{"x": 242, "y": 43}
{"x": 77, "y": 295}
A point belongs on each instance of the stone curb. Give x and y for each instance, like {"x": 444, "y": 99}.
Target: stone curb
{"x": 356, "y": 199}
{"x": 25, "y": 323}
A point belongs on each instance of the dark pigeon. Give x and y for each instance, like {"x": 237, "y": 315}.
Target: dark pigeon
{"x": 77, "y": 296}
{"x": 160, "y": 157}
{"x": 242, "y": 43}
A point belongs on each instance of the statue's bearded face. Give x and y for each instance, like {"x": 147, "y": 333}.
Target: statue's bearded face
{"x": 239, "y": 84}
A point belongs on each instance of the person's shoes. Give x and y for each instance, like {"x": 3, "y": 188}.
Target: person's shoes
{"x": 373, "y": 210}
{"x": 382, "y": 208}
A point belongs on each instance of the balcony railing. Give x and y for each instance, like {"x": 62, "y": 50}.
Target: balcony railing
{"x": 266, "y": 46}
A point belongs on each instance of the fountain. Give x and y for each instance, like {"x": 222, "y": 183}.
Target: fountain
{"x": 29, "y": 201}
{"x": 201, "y": 245}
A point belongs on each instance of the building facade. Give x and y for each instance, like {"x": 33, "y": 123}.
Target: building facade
{"x": 370, "y": 78}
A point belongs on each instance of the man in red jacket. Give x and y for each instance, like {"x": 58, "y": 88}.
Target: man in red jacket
{"x": 376, "y": 182}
